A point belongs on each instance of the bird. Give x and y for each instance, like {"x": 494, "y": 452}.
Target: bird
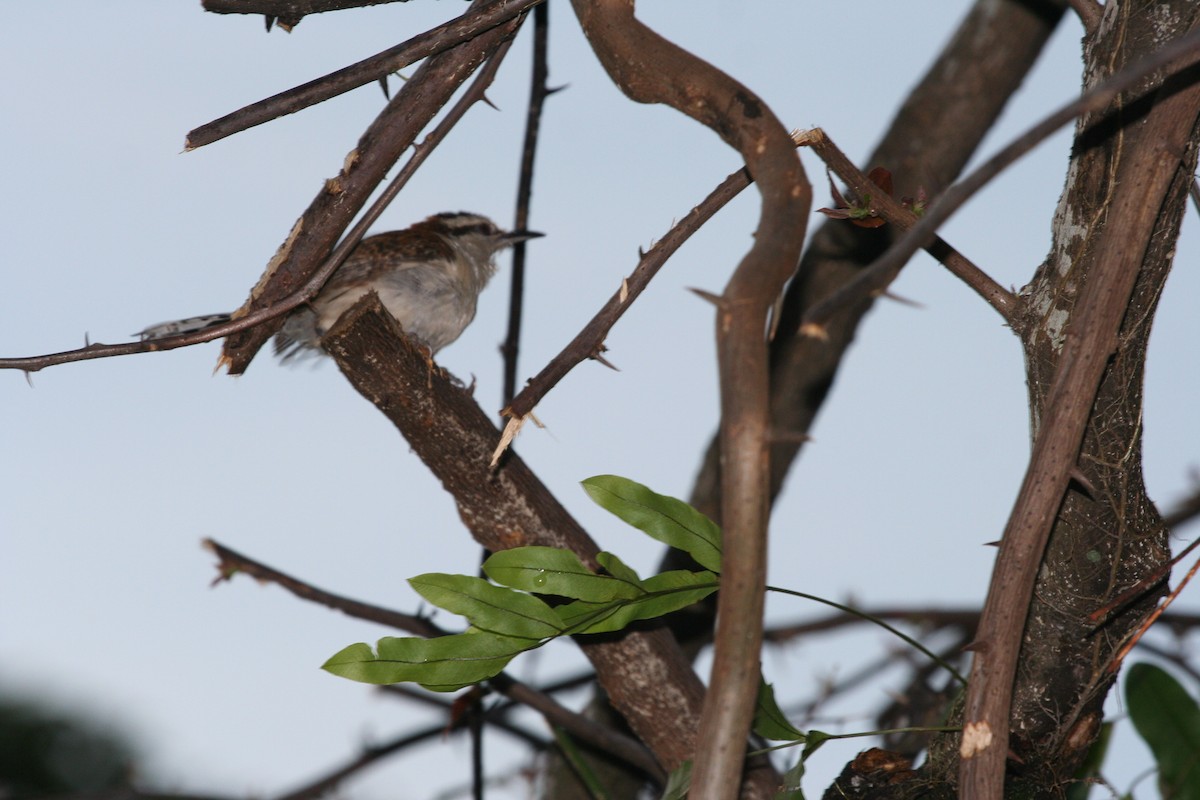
{"x": 428, "y": 276}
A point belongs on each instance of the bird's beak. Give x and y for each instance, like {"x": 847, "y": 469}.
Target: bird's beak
{"x": 512, "y": 237}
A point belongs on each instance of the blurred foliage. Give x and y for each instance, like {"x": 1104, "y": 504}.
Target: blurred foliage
{"x": 45, "y": 751}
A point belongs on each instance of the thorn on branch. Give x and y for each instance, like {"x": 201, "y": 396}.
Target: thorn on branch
{"x": 595, "y": 356}
{"x": 904, "y": 301}
{"x": 715, "y": 299}
{"x": 1082, "y": 481}
{"x": 776, "y": 436}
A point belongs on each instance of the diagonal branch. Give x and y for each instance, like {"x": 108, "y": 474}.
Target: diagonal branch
{"x": 481, "y": 18}
{"x": 1179, "y": 54}
{"x": 392, "y": 132}
{"x": 889, "y": 209}
{"x": 589, "y": 342}
{"x": 609, "y": 741}
{"x": 645, "y": 674}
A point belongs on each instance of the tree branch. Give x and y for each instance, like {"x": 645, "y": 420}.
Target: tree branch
{"x": 1149, "y": 165}
{"x": 889, "y": 209}
{"x": 392, "y": 132}
{"x": 650, "y": 69}
{"x": 482, "y": 17}
{"x": 644, "y": 672}
{"x": 1179, "y": 54}
{"x": 538, "y": 92}
{"x": 615, "y": 744}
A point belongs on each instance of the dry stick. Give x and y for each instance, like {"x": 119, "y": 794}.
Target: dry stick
{"x": 533, "y": 117}
{"x": 285, "y": 8}
{"x": 1155, "y": 615}
{"x": 588, "y": 342}
{"x": 231, "y": 563}
{"x": 313, "y": 285}
{"x": 600, "y": 737}
{"x": 1090, "y": 340}
{"x": 651, "y": 69}
{"x": 538, "y": 92}
{"x": 887, "y": 208}
{"x": 875, "y": 278}
{"x": 436, "y": 40}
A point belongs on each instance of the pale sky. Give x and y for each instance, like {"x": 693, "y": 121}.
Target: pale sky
{"x": 114, "y": 470}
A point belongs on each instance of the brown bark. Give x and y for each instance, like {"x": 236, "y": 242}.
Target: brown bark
{"x": 1087, "y": 312}
{"x": 644, "y": 672}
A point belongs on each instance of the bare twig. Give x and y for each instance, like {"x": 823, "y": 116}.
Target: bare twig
{"x": 232, "y": 563}
{"x": 292, "y": 9}
{"x": 1154, "y": 617}
{"x": 874, "y": 279}
{"x": 600, "y": 737}
{"x": 309, "y": 288}
{"x": 496, "y": 716}
{"x": 369, "y": 756}
{"x": 589, "y": 341}
{"x": 889, "y": 209}
{"x": 1184, "y": 511}
{"x": 538, "y": 92}
{"x": 480, "y": 19}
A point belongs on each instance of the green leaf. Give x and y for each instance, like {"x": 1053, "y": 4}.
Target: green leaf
{"x": 488, "y": 607}
{"x": 549, "y": 570}
{"x": 769, "y": 720}
{"x": 812, "y": 741}
{"x": 664, "y": 593}
{"x": 443, "y": 664}
{"x": 678, "y": 782}
{"x": 670, "y": 521}
{"x": 791, "y": 783}
{"x": 618, "y": 568}
{"x": 1167, "y": 717}
{"x": 580, "y": 764}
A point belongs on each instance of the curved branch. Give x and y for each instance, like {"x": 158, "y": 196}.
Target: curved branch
{"x": 650, "y": 69}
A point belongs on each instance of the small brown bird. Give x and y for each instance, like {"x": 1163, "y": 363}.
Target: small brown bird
{"x": 428, "y": 276}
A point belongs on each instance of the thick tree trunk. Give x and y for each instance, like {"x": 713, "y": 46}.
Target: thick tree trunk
{"x": 1108, "y": 536}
